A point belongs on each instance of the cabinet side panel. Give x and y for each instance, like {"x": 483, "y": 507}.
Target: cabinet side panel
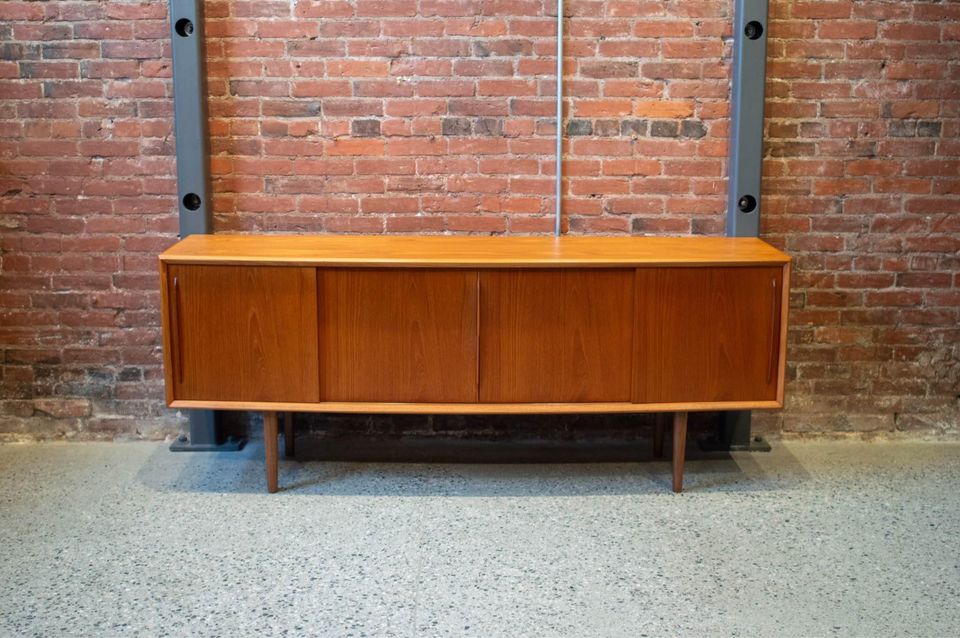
{"x": 555, "y": 335}
{"x": 246, "y": 333}
{"x": 398, "y": 335}
{"x": 707, "y": 334}
{"x": 168, "y": 353}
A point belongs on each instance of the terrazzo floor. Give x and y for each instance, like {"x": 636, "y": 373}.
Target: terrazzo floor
{"x": 812, "y": 539}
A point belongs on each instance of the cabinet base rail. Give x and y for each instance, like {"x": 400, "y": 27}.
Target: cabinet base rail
{"x": 271, "y": 434}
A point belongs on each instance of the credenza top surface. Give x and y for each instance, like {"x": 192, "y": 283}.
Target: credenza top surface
{"x": 470, "y": 251}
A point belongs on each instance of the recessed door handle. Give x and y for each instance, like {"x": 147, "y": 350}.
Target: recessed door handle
{"x": 178, "y": 332}
{"x": 774, "y": 333}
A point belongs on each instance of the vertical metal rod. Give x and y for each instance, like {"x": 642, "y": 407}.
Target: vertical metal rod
{"x": 556, "y": 223}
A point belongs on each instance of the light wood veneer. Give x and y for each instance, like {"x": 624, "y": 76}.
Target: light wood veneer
{"x": 402, "y": 335}
{"x": 376, "y": 251}
{"x": 557, "y": 335}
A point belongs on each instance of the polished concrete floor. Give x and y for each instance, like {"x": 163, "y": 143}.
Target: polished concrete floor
{"x": 812, "y": 539}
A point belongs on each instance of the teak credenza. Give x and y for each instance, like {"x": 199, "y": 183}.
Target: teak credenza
{"x": 488, "y": 325}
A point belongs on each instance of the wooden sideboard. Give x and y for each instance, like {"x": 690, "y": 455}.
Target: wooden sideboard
{"x": 488, "y": 325}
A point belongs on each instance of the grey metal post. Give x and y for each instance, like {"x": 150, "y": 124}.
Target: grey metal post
{"x": 193, "y": 172}
{"x": 190, "y": 116}
{"x": 746, "y": 157}
{"x": 746, "y": 118}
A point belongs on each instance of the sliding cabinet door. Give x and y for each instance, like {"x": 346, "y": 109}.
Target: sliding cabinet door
{"x": 559, "y": 335}
{"x": 242, "y": 333}
{"x": 708, "y": 334}
{"x": 398, "y": 335}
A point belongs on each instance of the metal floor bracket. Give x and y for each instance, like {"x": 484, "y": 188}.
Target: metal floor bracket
{"x": 204, "y": 436}
{"x": 754, "y": 444}
{"x": 230, "y": 444}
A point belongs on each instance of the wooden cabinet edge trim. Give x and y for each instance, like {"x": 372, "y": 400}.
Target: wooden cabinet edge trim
{"x": 427, "y": 250}
{"x": 465, "y": 265}
{"x": 475, "y": 408}
{"x": 165, "y": 327}
{"x": 784, "y": 329}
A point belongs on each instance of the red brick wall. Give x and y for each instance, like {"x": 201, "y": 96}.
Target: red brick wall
{"x": 436, "y": 116}
{"x": 862, "y": 186}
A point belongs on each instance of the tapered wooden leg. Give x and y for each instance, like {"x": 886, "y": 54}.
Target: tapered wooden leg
{"x": 288, "y": 435}
{"x": 679, "y": 448}
{"x": 270, "y": 434}
{"x": 658, "y": 437}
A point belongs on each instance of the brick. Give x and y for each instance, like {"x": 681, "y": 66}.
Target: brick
{"x": 323, "y": 8}
{"x": 458, "y": 106}
{"x": 109, "y": 69}
{"x": 476, "y": 223}
{"x": 902, "y": 128}
{"x": 606, "y": 128}
{"x": 358, "y": 68}
{"x": 421, "y": 67}
{"x": 502, "y": 47}
{"x": 387, "y": 8}
{"x": 365, "y": 128}
{"x": 21, "y": 11}
{"x": 602, "y": 108}
{"x": 848, "y": 29}
{"x": 416, "y": 147}
{"x": 636, "y": 128}
{"x": 51, "y": 70}
{"x": 692, "y": 49}
{"x": 475, "y": 146}
{"x": 579, "y": 127}
{"x": 310, "y": 48}
{"x": 70, "y": 50}
{"x": 414, "y": 224}
{"x": 693, "y": 129}
{"x": 321, "y": 88}
{"x": 911, "y": 31}
{"x": 443, "y": 47}
{"x": 632, "y": 167}
{"x": 664, "y": 128}
{"x": 841, "y": 9}
{"x": 478, "y": 184}
{"x": 382, "y": 88}
{"x": 663, "y": 109}
{"x": 457, "y": 126}
{"x": 488, "y": 126}
{"x": 445, "y": 88}
{"x": 63, "y": 408}
{"x": 630, "y": 48}
{"x": 506, "y": 87}
{"x": 609, "y": 69}
{"x": 929, "y": 129}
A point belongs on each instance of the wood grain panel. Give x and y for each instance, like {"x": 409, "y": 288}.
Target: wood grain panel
{"x": 555, "y": 335}
{"x": 398, "y": 335}
{"x": 377, "y": 251}
{"x": 239, "y": 333}
{"x": 707, "y": 334}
